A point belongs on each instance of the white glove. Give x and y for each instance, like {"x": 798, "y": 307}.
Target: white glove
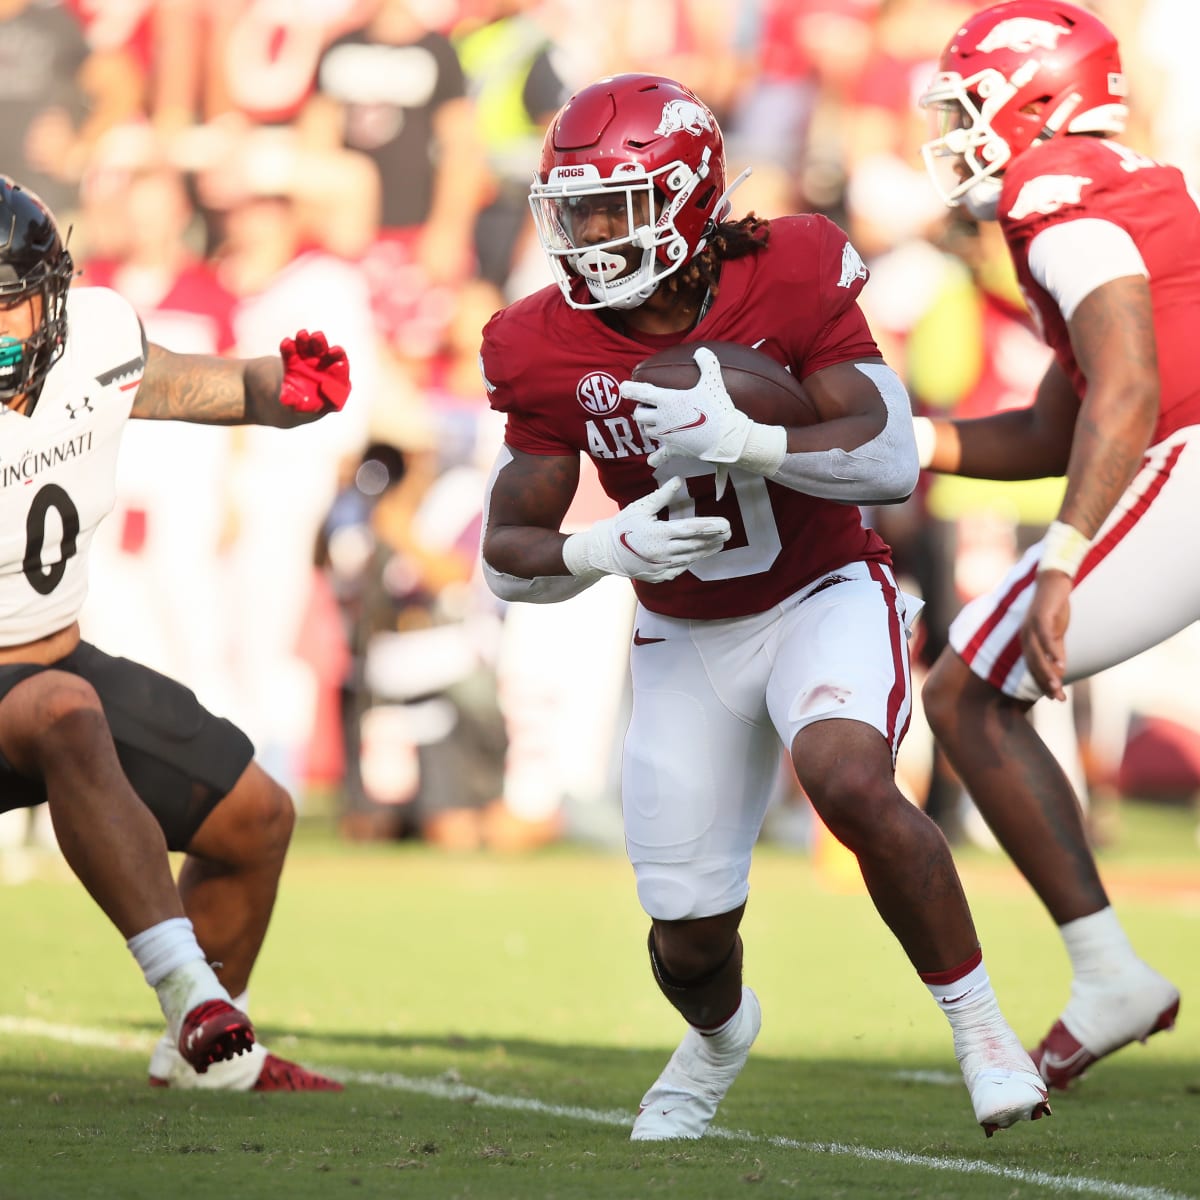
{"x": 636, "y": 544}
{"x": 702, "y": 422}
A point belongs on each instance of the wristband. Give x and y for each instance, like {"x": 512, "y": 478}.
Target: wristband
{"x": 577, "y": 558}
{"x": 1063, "y": 549}
{"x": 926, "y": 436}
{"x": 765, "y": 448}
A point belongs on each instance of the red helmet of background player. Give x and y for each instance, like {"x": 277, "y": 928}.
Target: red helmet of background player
{"x": 1013, "y": 76}
{"x": 648, "y": 153}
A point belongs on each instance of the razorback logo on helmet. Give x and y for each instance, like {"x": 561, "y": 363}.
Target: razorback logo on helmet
{"x": 683, "y": 116}
{"x": 1047, "y": 194}
{"x": 598, "y": 392}
{"x": 1023, "y": 34}
{"x": 853, "y": 267}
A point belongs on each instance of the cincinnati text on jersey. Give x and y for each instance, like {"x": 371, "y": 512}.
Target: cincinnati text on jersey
{"x": 33, "y": 462}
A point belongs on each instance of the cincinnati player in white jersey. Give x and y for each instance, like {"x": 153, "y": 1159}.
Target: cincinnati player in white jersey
{"x": 768, "y": 617}
{"x": 127, "y": 760}
{"x": 1106, "y": 244}
{"x": 57, "y": 472}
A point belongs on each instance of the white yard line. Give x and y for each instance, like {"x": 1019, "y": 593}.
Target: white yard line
{"x": 445, "y": 1089}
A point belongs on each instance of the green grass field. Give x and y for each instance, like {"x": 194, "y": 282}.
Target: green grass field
{"x": 495, "y": 1025}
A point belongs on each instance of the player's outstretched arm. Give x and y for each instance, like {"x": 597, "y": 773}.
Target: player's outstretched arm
{"x": 308, "y": 379}
{"x": 1022, "y": 443}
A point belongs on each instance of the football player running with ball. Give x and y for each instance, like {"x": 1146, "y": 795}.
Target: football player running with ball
{"x": 128, "y": 761}
{"x": 767, "y": 613}
{"x": 1106, "y": 243}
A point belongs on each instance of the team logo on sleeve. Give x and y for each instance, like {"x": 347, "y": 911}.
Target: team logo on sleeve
{"x": 1047, "y": 194}
{"x": 683, "y": 116}
{"x": 853, "y": 267}
{"x": 1023, "y": 34}
{"x": 125, "y": 376}
{"x": 598, "y": 392}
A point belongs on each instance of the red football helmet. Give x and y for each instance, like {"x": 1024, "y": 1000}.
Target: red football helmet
{"x": 645, "y": 154}
{"x": 1013, "y": 76}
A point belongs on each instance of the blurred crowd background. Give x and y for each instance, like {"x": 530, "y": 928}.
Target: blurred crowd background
{"x": 240, "y": 169}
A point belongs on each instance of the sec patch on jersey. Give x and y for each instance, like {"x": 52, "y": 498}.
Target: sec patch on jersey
{"x": 756, "y": 383}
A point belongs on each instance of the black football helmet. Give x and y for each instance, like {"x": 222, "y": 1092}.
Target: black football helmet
{"x": 33, "y": 261}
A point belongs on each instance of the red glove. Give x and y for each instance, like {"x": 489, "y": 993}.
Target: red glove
{"x": 316, "y": 375}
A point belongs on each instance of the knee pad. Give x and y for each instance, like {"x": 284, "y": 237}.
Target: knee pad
{"x": 686, "y": 891}
{"x": 666, "y": 895}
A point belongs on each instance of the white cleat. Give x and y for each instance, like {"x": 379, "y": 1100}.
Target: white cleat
{"x": 684, "y": 1098}
{"x": 1004, "y": 1084}
{"x": 1099, "y": 1020}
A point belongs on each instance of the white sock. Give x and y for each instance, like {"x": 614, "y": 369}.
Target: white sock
{"x": 175, "y": 967}
{"x": 1097, "y": 945}
{"x": 972, "y": 1009}
{"x": 187, "y": 986}
{"x": 162, "y": 948}
{"x": 726, "y": 1037}
{"x": 965, "y": 991}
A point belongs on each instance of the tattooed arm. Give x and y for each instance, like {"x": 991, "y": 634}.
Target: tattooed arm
{"x": 527, "y": 498}
{"x": 525, "y": 557}
{"x": 1112, "y": 334}
{"x": 211, "y": 390}
{"x": 307, "y": 380}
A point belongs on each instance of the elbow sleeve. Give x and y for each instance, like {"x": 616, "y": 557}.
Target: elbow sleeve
{"x": 881, "y": 471}
{"x": 543, "y": 589}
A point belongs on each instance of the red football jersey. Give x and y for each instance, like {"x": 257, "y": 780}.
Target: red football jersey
{"x": 1073, "y": 177}
{"x": 556, "y": 371}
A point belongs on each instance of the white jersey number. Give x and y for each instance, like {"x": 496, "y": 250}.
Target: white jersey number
{"x": 747, "y": 493}
{"x": 45, "y": 577}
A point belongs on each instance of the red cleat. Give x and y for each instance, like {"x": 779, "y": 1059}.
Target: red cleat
{"x": 212, "y": 1032}
{"x": 279, "y": 1075}
{"x": 1062, "y": 1058}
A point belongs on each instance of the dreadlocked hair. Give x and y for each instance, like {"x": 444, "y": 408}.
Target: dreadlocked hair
{"x": 728, "y": 240}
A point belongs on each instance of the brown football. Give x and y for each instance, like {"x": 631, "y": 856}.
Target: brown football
{"x": 756, "y": 383}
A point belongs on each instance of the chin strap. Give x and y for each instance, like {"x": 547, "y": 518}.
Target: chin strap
{"x": 1059, "y": 117}
{"x": 723, "y": 207}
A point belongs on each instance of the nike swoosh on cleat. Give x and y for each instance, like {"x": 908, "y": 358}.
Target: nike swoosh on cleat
{"x": 638, "y": 640}
{"x": 701, "y": 419}
{"x": 1055, "y": 1062}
